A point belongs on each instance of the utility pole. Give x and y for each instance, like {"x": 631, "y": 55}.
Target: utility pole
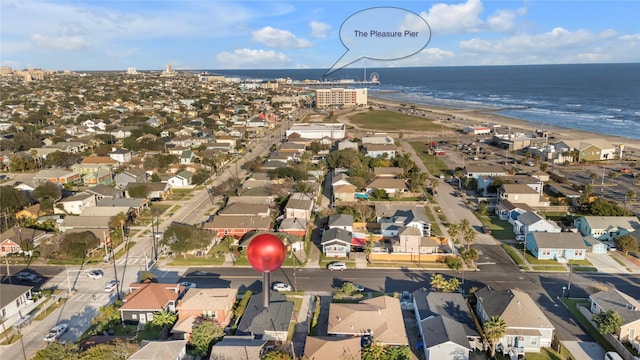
{"x": 569, "y": 282}
{"x": 6, "y": 261}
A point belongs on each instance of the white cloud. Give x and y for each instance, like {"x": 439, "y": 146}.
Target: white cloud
{"x": 250, "y": 58}
{"x": 276, "y": 38}
{"x": 502, "y": 21}
{"x": 62, "y": 42}
{"x": 319, "y": 29}
{"x": 455, "y": 18}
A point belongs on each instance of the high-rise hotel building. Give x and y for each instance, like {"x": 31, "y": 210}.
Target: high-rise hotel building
{"x": 340, "y": 97}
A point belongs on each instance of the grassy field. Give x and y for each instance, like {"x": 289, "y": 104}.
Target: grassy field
{"x": 500, "y": 229}
{"x": 434, "y": 164}
{"x": 393, "y": 121}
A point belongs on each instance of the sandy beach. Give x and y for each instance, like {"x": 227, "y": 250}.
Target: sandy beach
{"x": 477, "y": 117}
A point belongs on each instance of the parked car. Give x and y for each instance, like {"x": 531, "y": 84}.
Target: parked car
{"x": 188, "y": 284}
{"x": 486, "y": 230}
{"x": 520, "y": 238}
{"x": 56, "y": 332}
{"x": 611, "y": 246}
{"x": 337, "y": 266}
{"x": 95, "y": 274}
{"x": 110, "y": 285}
{"x": 26, "y": 276}
{"x": 280, "y": 286}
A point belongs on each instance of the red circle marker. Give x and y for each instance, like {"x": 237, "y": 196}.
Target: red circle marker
{"x": 266, "y": 253}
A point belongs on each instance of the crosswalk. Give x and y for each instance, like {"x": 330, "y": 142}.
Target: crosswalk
{"x": 100, "y": 298}
{"x": 131, "y": 261}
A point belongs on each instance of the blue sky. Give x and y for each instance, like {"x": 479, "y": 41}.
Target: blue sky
{"x": 203, "y": 34}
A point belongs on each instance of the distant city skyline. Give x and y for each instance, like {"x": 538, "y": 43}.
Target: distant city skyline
{"x": 148, "y": 35}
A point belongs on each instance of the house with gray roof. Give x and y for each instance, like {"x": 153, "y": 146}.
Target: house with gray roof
{"x": 530, "y": 221}
{"x": 336, "y": 242}
{"x": 561, "y": 246}
{"x": 102, "y": 191}
{"x": 341, "y": 221}
{"x": 606, "y": 228}
{"x": 15, "y": 303}
{"x": 245, "y": 347}
{"x": 446, "y": 325}
{"x": 182, "y": 179}
{"x": 299, "y": 205}
{"x": 161, "y": 350}
{"x": 246, "y": 209}
{"x": 402, "y": 216}
{"x": 75, "y": 204}
{"x": 267, "y": 323}
{"x": 627, "y": 307}
{"x": 528, "y": 328}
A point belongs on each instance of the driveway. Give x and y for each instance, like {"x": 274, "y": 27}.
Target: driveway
{"x": 584, "y": 350}
{"x": 606, "y": 264}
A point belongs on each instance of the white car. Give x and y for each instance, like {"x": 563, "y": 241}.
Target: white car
{"x": 337, "y": 266}
{"x": 188, "y": 284}
{"x": 280, "y": 286}
{"x": 95, "y": 274}
{"x": 110, "y": 285}
{"x": 611, "y": 246}
{"x": 56, "y": 332}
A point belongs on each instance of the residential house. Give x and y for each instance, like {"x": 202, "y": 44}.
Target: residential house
{"x": 606, "y": 228}
{"x": 238, "y": 348}
{"x": 161, "y": 350}
{"x": 595, "y": 246}
{"x": 521, "y": 193}
{"x": 267, "y": 323}
{"x": 299, "y": 205}
{"x": 336, "y": 242}
{"x": 294, "y": 226}
{"x": 446, "y": 326}
{"x": 506, "y": 210}
{"x": 245, "y": 209}
{"x": 187, "y": 157}
{"x": 404, "y": 215}
{"x": 157, "y": 191}
{"x": 345, "y": 192}
{"x": 146, "y": 298}
{"x": 347, "y": 144}
{"x": 627, "y": 307}
{"x": 135, "y": 205}
{"x": 340, "y": 179}
{"x": 31, "y": 212}
{"x": 57, "y": 176}
{"x": 559, "y": 246}
{"x": 388, "y": 172}
{"x": 530, "y": 221}
{"x": 99, "y": 162}
{"x": 528, "y": 329}
{"x": 215, "y": 304}
{"x": 75, "y": 204}
{"x": 598, "y": 149}
{"x": 332, "y": 347}
{"x": 121, "y": 155}
{"x": 85, "y": 222}
{"x": 15, "y": 303}
{"x": 477, "y": 171}
{"x": 12, "y": 239}
{"x": 341, "y": 221}
{"x": 387, "y": 151}
{"x": 104, "y": 177}
{"x": 181, "y": 180}
{"x": 237, "y": 225}
{"x": 390, "y": 186}
{"x": 102, "y": 191}
{"x": 379, "y": 317}
{"x": 133, "y": 175}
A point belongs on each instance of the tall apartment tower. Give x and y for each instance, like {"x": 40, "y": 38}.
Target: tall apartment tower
{"x": 132, "y": 71}
{"x": 169, "y": 69}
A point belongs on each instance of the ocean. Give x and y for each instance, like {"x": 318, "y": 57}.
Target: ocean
{"x": 601, "y": 98}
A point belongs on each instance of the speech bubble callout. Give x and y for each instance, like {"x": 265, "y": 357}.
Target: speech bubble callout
{"x": 382, "y": 33}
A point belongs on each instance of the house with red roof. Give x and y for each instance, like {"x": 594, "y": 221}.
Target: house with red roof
{"x": 145, "y": 299}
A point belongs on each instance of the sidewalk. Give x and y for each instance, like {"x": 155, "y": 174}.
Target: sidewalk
{"x": 302, "y": 324}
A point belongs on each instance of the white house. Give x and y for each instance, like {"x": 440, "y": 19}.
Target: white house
{"x": 181, "y": 179}
{"x": 75, "y": 204}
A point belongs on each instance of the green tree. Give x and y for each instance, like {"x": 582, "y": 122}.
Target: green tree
{"x": 469, "y": 236}
{"x": 399, "y": 352}
{"x": 603, "y": 207}
{"x": 276, "y": 355}
{"x": 12, "y": 199}
{"x": 108, "y": 315}
{"x": 62, "y": 159}
{"x": 348, "y": 288}
{"x": 138, "y": 191}
{"x": 375, "y": 351}
{"x": 184, "y": 238}
{"x": 454, "y": 230}
{"x": 148, "y": 276}
{"x": 593, "y": 177}
{"x": 494, "y": 330}
{"x": 626, "y": 243}
{"x": 117, "y": 350}
{"x": 205, "y": 333}
{"x": 631, "y": 195}
{"x": 47, "y": 190}
{"x": 164, "y": 318}
{"x": 608, "y": 322}
{"x": 438, "y": 282}
{"x": 77, "y": 245}
{"x": 379, "y": 194}
{"x": 59, "y": 351}
{"x": 453, "y": 262}
{"x": 469, "y": 255}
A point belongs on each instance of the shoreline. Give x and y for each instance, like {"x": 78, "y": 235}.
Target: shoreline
{"x": 470, "y": 117}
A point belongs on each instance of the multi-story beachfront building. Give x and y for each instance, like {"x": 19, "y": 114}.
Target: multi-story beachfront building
{"x": 340, "y": 97}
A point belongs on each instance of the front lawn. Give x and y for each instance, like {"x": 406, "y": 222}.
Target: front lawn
{"x": 513, "y": 253}
{"x": 500, "y": 229}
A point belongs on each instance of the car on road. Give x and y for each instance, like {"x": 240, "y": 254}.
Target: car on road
{"x": 529, "y": 163}
{"x": 110, "y": 285}
{"x": 26, "y": 276}
{"x": 280, "y": 286}
{"x": 56, "y": 332}
{"x": 337, "y": 266}
{"x": 188, "y": 284}
{"x": 95, "y": 274}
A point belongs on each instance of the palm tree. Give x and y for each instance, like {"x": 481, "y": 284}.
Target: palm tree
{"x": 494, "y": 330}
{"x": 438, "y": 282}
{"x": 454, "y": 231}
{"x": 469, "y": 236}
{"x": 593, "y": 177}
{"x": 631, "y": 195}
{"x": 368, "y": 246}
{"x": 164, "y": 318}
